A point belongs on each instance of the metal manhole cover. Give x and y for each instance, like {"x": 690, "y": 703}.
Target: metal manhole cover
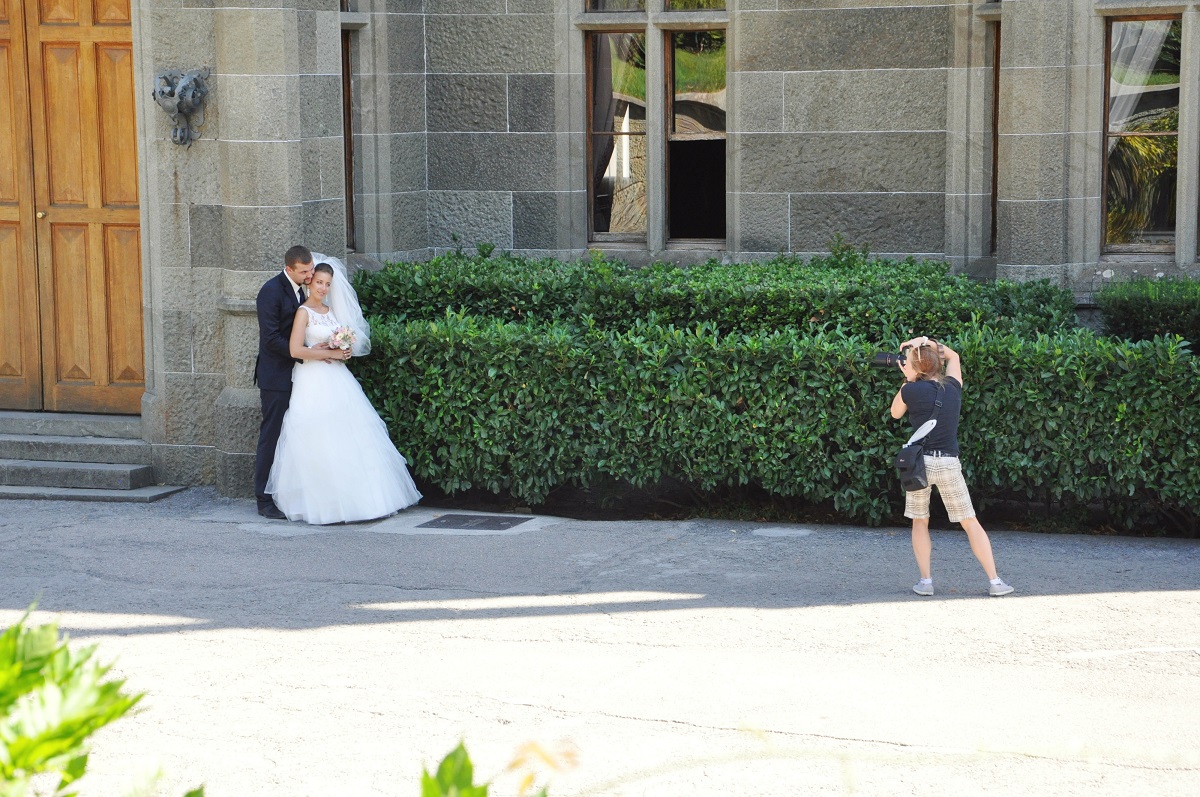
{"x": 473, "y": 522}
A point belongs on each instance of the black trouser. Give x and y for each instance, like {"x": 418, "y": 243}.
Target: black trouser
{"x": 274, "y": 407}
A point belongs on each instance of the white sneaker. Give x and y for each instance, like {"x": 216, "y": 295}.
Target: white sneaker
{"x": 926, "y": 588}
{"x": 996, "y": 590}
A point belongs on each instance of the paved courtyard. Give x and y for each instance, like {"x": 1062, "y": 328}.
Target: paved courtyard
{"x": 675, "y": 658}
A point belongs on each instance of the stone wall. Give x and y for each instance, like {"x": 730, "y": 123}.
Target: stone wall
{"x": 218, "y": 215}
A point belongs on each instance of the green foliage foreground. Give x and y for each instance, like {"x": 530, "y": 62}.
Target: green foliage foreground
{"x": 522, "y": 408}
{"x": 52, "y": 699}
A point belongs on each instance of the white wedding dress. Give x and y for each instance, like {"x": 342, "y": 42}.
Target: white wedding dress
{"x": 335, "y": 462}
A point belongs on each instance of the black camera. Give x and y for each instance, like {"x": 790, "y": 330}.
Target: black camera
{"x": 888, "y": 359}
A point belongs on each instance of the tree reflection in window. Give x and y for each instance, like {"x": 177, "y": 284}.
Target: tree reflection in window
{"x": 1142, "y": 137}
{"x": 616, "y": 5}
{"x": 618, "y": 132}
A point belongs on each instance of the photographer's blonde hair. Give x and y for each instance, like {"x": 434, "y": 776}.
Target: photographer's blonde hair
{"x": 926, "y": 362}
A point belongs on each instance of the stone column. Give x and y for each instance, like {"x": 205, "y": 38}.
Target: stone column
{"x": 184, "y": 345}
{"x": 969, "y": 103}
{"x": 1051, "y": 107}
{"x": 391, "y": 163}
{"x": 281, "y": 183}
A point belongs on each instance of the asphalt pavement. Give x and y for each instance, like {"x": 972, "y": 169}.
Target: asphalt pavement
{"x": 699, "y": 657}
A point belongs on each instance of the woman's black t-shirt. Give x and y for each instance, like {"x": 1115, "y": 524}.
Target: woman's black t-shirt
{"x": 919, "y": 397}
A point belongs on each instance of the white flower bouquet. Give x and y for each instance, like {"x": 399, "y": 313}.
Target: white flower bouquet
{"x": 343, "y": 338}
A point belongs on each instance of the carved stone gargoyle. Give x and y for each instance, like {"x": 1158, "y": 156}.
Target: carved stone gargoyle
{"x": 182, "y": 94}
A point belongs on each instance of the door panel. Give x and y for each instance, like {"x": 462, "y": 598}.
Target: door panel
{"x": 20, "y": 341}
{"x": 122, "y": 255}
{"x": 114, "y": 66}
{"x": 111, "y": 11}
{"x": 72, "y": 318}
{"x": 86, "y": 182}
{"x": 62, "y": 86}
{"x": 58, "y": 11}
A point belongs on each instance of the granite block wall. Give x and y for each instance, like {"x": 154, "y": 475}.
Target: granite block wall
{"x": 839, "y": 125}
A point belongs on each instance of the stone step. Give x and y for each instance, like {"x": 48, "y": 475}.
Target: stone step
{"x": 141, "y": 495}
{"x": 101, "y": 475}
{"x": 66, "y": 448}
{"x": 70, "y": 424}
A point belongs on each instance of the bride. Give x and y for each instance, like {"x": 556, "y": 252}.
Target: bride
{"x": 334, "y": 462}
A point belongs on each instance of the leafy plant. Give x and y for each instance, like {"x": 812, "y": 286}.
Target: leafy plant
{"x": 52, "y": 698}
{"x": 1144, "y": 308}
{"x": 455, "y": 776}
{"x": 848, "y": 289}
{"x": 521, "y": 408}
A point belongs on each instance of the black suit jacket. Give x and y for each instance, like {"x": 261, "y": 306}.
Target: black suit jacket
{"x": 277, "y": 305}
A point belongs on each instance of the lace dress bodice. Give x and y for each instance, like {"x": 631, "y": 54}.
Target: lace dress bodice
{"x": 320, "y": 327}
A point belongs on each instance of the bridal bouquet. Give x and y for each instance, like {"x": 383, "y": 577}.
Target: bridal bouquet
{"x": 343, "y": 338}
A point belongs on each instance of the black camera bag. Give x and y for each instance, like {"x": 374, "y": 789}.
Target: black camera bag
{"x": 910, "y": 462}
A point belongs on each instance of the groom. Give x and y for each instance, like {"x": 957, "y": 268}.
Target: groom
{"x": 278, "y": 301}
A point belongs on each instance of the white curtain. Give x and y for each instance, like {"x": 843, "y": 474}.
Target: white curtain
{"x": 1135, "y": 49}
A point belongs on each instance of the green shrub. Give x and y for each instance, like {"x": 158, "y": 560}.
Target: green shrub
{"x": 52, "y": 699}
{"x": 846, "y": 290}
{"x": 1143, "y": 308}
{"x": 524, "y": 408}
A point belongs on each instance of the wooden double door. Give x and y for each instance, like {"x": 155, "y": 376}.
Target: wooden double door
{"x": 71, "y": 337}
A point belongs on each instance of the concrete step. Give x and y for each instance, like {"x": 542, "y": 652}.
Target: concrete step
{"x": 102, "y": 475}
{"x": 66, "y": 448}
{"x": 141, "y": 495}
{"x": 72, "y": 424}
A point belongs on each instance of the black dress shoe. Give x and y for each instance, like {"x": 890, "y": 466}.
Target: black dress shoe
{"x": 271, "y": 511}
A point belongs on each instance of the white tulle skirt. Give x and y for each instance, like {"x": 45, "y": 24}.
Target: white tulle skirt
{"x": 335, "y": 462}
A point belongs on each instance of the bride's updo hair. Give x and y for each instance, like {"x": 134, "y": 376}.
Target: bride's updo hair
{"x": 324, "y": 268}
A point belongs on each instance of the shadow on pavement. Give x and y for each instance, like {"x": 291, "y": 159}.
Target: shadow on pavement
{"x": 198, "y": 562}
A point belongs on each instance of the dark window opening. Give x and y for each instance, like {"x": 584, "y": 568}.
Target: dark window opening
{"x": 697, "y": 188}
{"x": 696, "y": 134}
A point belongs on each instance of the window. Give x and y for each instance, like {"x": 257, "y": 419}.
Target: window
{"x": 696, "y": 152}
{"x": 695, "y": 5}
{"x": 1141, "y": 143}
{"x": 616, "y": 5}
{"x": 995, "y": 199}
{"x": 656, "y": 126}
{"x": 617, "y": 142}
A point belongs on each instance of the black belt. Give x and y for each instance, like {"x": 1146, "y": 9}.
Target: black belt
{"x": 938, "y": 454}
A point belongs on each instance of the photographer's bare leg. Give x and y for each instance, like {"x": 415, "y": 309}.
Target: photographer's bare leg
{"x": 922, "y": 545}
{"x": 981, "y": 546}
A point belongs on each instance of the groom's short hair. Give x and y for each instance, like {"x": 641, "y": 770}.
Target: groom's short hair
{"x": 297, "y": 254}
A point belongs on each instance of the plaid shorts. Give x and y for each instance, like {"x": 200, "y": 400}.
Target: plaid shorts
{"x": 946, "y": 474}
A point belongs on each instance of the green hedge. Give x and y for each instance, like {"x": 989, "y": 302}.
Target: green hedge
{"x": 846, "y": 290}
{"x": 1143, "y": 308}
{"x": 523, "y": 408}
